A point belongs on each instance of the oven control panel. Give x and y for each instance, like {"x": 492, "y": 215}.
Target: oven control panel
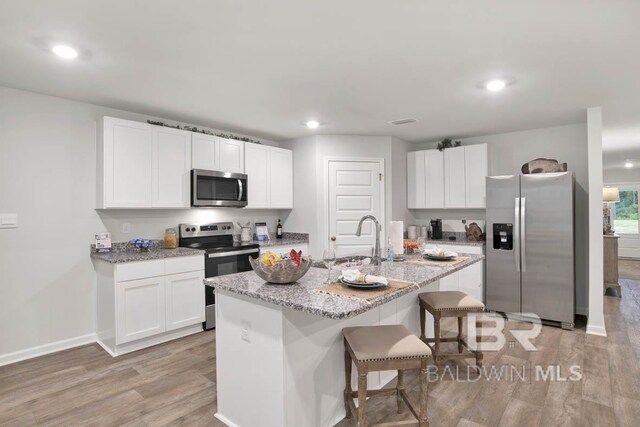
{"x": 213, "y": 229}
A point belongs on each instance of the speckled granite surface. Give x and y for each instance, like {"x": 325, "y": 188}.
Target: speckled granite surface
{"x": 125, "y": 252}
{"x": 287, "y": 239}
{"x": 304, "y": 295}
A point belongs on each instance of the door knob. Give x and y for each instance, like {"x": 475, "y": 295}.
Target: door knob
{"x": 333, "y": 238}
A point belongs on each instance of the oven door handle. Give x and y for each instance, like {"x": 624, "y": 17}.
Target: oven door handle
{"x": 223, "y": 254}
{"x": 241, "y": 190}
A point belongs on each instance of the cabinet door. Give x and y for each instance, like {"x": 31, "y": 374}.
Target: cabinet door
{"x": 434, "y": 179}
{"x": 472, "y": 279}
{"x": 140, "y": 309}
{"x": 256, "y": 163}
{"x": 204, "y": 152}
{"x": 171, "y": 166}
{"x": 280, "y": 178}
{"x": 450, "y": 282}
{"x": 127, "y": 163}
{"x": 416, "y": 180}
{"x": 476, "y": 169}
{"x": 231, "y": 155}
{"x": 184, "y": 298}
{"x": 454, "y": 178}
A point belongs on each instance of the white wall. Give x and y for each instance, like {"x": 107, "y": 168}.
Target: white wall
{"x": 48, "y": 177}
{"x": 507, "y": 153}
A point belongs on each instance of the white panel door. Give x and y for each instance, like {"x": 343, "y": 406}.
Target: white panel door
{"x": 171, "y": 166}
{"x": 231, "y": 153}
{"x": 454, "y": 178}
{"x": 140, "y": 309}
{"x": 354, "y": 191}
{"x": 184, "y": 298}
{"x": 205, "y": 152}
{"x": 434, "y": 179}
{"x": 416, "y": 180}
{"x": 281, "y": 178}
{"x": 256, "y": 165}
{"x": 476, "y": 170}
{"x": 128, "y": 149}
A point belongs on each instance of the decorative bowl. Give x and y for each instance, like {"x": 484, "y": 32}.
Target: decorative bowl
{"x": 142, "y": 244}
{"x": 283, "y": 272}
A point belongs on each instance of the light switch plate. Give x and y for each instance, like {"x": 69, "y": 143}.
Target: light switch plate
{"x": 126, "y": 228}
{"x": 9, "y": 220}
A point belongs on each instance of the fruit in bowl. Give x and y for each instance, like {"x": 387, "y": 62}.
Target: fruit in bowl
{"x": 279, "y": 269}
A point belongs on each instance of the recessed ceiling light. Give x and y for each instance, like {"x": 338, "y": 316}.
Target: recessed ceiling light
{"x": 628, "y": 165}
{"x": 312, "y": 124}
{"x": 64, "y": 51}
{"x": 495, "y": 85}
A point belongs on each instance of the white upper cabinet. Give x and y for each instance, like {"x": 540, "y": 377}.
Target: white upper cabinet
{"x": 270, "y": 172}
{"x": 434, "y": 175}
{"x": 204, "y": 152}
{"x": 454, "y": 178}
{"x": 256, "y": 163}
{"x": 476, "y": 170}
{"x": 416, "y": 180}
{"x": 231, "y": 155}
{"x": 171, "y": 166}
{"x": 125, "y": 151}
{"x": 281, "y": 178}
{"x": 211, "y": 152}
{"x": 142, "y": 166}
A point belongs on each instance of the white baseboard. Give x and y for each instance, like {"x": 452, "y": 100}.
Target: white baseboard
{"x": 105, "y": 348}
{"x": 596, "y": 330}
{"x": 41, "y": 350}
{"x": 224, "y": 419}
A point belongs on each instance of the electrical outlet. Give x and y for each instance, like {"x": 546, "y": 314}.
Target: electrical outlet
{"x": 126, "y": 228}
{"x": 245, "y": 331}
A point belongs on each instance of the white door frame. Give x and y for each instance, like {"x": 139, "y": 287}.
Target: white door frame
{"x": 325, "y": 193}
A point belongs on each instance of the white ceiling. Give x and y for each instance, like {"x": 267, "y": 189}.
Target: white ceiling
{"x": 263, "y": 67}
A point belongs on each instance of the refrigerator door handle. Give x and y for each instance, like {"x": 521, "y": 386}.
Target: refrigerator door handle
{"x": 523, "y": 233}
{"x": 516, "y": 234}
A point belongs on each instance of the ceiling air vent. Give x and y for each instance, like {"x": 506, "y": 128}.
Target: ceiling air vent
{"x": 403, "y": 121}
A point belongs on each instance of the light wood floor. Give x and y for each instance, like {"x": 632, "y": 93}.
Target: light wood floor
{"x": 174, "y": 383}
{"x": 629, "y": 269}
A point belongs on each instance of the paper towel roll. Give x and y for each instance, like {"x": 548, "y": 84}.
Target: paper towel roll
{"x": 396, "y": 233}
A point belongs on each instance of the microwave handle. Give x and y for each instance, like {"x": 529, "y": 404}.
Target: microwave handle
{"x": 241, "y": 190}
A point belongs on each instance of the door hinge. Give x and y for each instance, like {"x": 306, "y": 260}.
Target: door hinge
{"x": 380, "y": 177}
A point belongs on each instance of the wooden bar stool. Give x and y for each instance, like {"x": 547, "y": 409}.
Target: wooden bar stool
{"x": 449, "y": 304}
{"x": 384, "y": 348}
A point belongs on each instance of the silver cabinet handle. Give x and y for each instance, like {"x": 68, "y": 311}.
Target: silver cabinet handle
{"x": 223, "y": 254}
{"x": 523, "y": 233}
{"x": 516, "y": 233}
{"x": 241, "y": 189}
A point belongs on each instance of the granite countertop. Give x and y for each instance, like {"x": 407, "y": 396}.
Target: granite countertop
{"x": 287, "y": 239}
{"x": 303, "y": 295}
{"x": 124, "y": 252}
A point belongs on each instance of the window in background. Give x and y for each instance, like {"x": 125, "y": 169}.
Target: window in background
{"x": 625, "y": 213}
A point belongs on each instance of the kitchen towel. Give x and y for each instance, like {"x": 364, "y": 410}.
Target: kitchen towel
{"x": 341, "y": 290}
{"x": 396, "y": 233}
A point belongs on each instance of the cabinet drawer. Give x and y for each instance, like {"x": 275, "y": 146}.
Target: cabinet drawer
{"x": 184, "y": 264}
{"x": 139, "y": 270}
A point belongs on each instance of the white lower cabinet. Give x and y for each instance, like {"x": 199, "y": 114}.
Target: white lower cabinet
{"x": 470, "y": 279}
{"x": 144, "y": 303}
{"x": 140, "y": 309}
{"x": 184, "y": 300}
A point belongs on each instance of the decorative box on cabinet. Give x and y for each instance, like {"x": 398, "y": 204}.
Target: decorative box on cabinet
{"x": 145, "y": 303}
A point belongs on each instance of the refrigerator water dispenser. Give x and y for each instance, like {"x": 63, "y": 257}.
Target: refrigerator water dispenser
{"x": 503, "y": 236}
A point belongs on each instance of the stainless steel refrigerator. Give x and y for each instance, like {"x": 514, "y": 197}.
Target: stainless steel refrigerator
{"x": 530, "y": 246}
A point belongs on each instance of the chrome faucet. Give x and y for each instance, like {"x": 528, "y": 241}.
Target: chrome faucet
{"x": 377, "y": 259}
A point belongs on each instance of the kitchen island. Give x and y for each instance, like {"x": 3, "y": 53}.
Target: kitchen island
{"x": 279, "y": 350}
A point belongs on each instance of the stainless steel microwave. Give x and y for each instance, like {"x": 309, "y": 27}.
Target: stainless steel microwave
{"x": 214, "y": 189}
